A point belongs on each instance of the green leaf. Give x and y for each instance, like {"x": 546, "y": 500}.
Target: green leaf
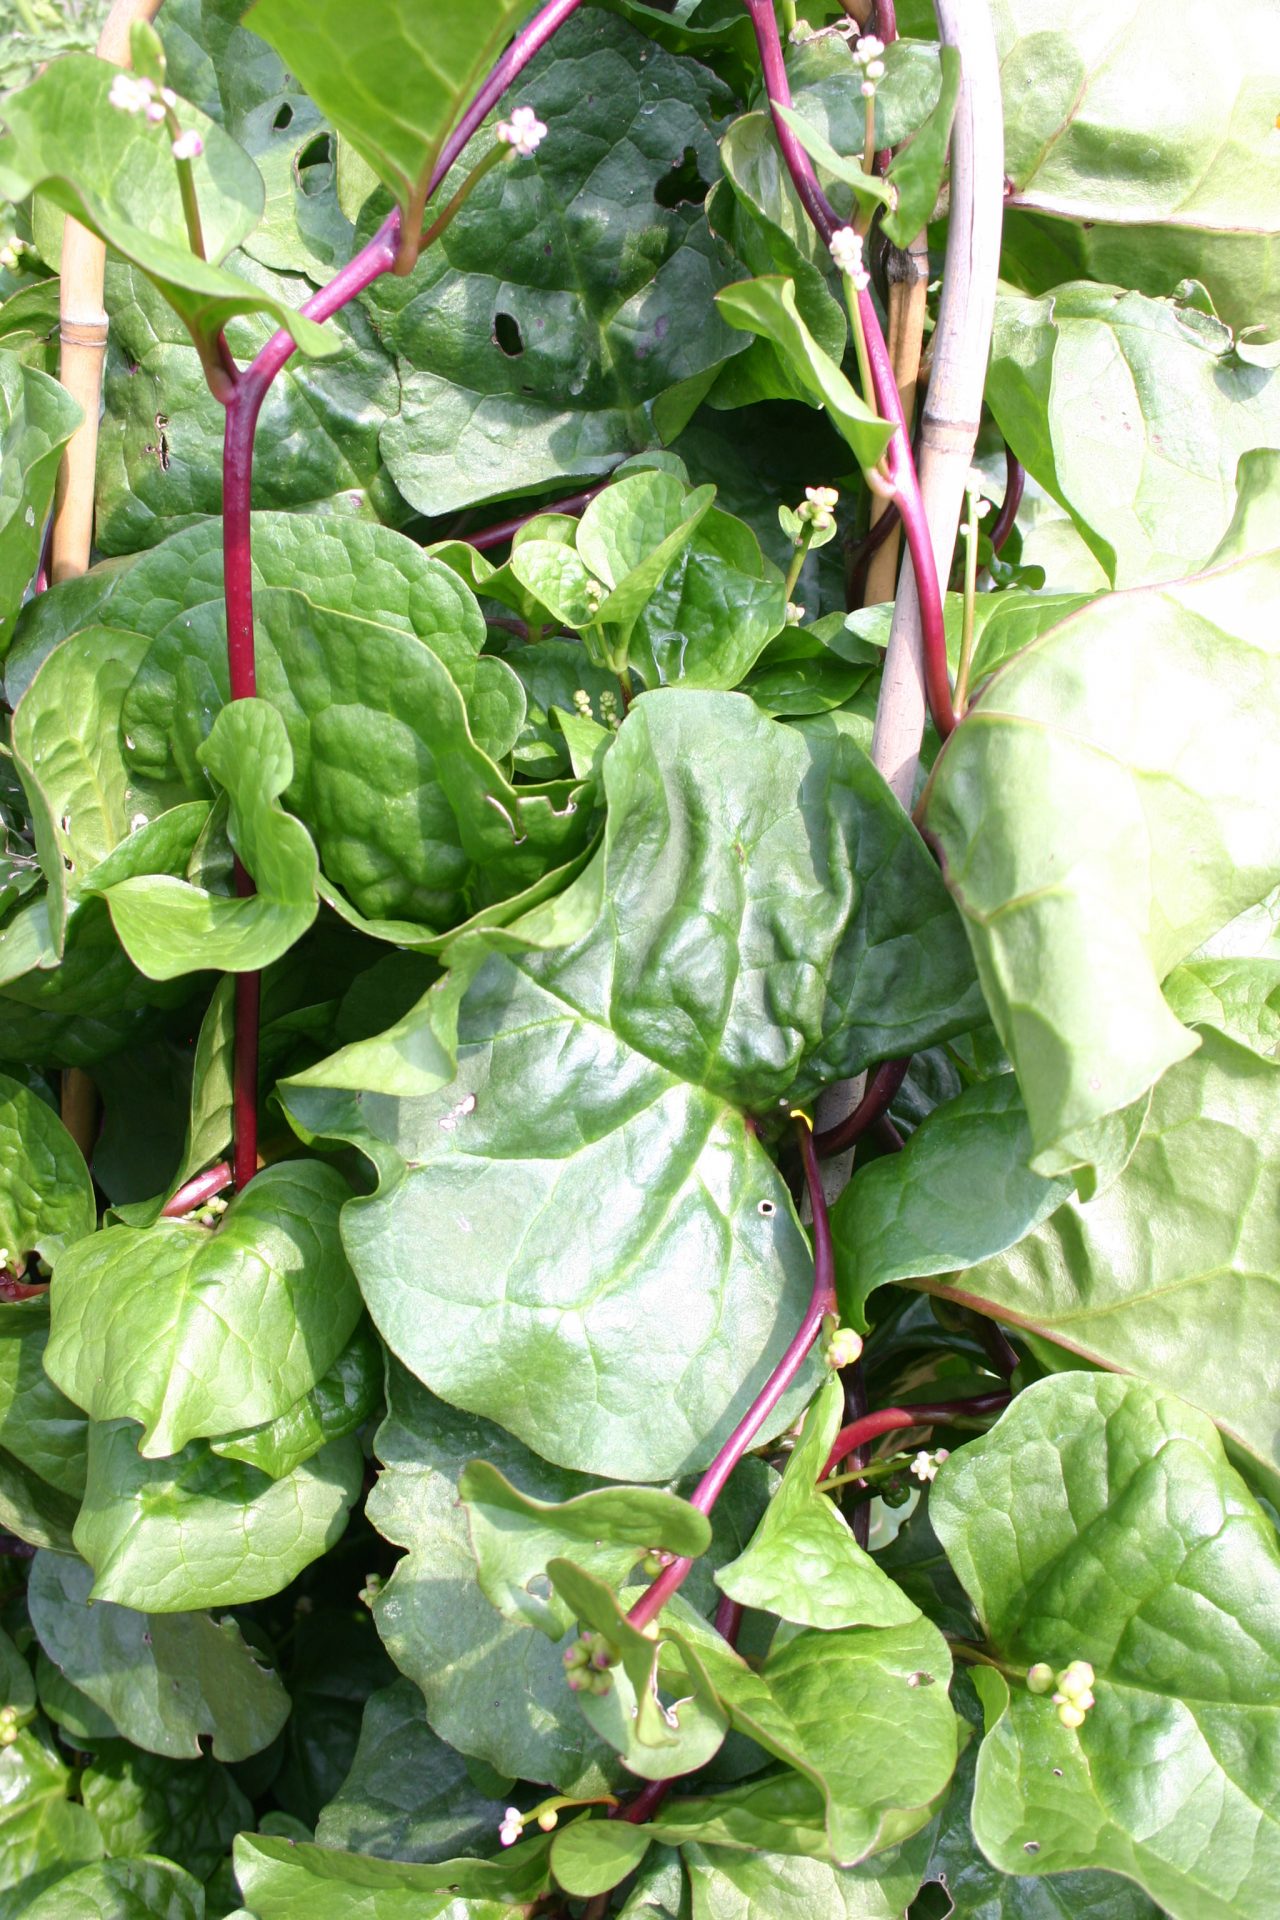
{"x": 1176, "y": 1308}
{"x": 144, "y": 1803}
{"x": 169, "y": 1536}
{"x": 870, "y": 192}
{"x": 1138, "y": 728}
{"x": 39, "y": 1426}
{"x": 773, "y": 1886}
{"x": 1134, "y": 414}
{"x": 340, "y": 1401}
{"x": 408, "y": 1796}
{"x": 767, "y": 306}
{"x": 512, "y": 1533}
{"x": 395, "y": 94}
{"x": 713, "y": 612}
{"x": 165, "y": 1680}
{"x": 37, "y": 418}
{"x": 336, "y": 1662}
{"x": 591, "y": 1856}
{"x": 1100, "y": 1521}
{"x": 286, "y": 1881}
{"x": 46, "y": 1195}
{"x": 918, "y": 167}
{"x": 17, "y": 1682}
{"x": 961, "y": 1191}
{"x": 169, "y": 927}
{"x": 44, "y": 1836}
{"x": 208, "y": 1330}
{"x": 123, "y": 1890}
{"x": 115, "y": 175}
{"x": 1239, "y": 997}
{"x": 803, "y": 1562}
{"x": 593, "y": 351}
{"x": 707, "y": 982}
{"x": 86, "y": 1724}
{"x": 1174, "y": 180}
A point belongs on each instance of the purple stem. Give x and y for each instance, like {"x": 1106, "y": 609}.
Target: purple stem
{"x": 880, "y": 1089}
{"x": 1015, "y": 481}
{"x": 901, "y": 466}
{"x": 893, "y": 1419}
{"x": 243, "y": 406}
{"x": 504, "y": 530}
{"x": 204, "y": 1187}
{"x": 822, "y": 1302}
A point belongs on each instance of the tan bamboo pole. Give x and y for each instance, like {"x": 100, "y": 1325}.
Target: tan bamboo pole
{"x": 908, "y": 271}
{"x": 82, "y": 347}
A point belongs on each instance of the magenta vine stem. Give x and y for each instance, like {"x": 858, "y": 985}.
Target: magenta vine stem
{"x": 1014, "y": 482}
{"x": 822, "y": 1302}
{"x": 898, "y": 458}
{"x": 504, "y": 530}
{"x": 877, "y": 1096}
{"x": 243, "y": 404}
{"x": 893, "y": 1419}
{"x": 205, "y": 1186}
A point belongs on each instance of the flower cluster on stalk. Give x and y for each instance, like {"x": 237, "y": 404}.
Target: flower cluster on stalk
{"x": 134, "y": 93}
{"x": 868, "y": 55}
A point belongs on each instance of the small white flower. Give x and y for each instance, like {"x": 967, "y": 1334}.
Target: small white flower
{"x": 875, "y": 69}
{"x": 512, "y": 1827}
{"x": 868, "y": 49}
{"x": 155, "y": 113}
{"x": 868, "y": 89}
{"x": 925, "y": 1465}
{"x": 795, "y": 613}
{"x": 818, "y": 508}
{"x": 188, "y": 146}
{"x": 523, "y": 131}
{"x": 131, "y": 95}
{"x": 136, "y": 821}
{"x": 582, "y": 703}
{"x": 846, "y": 251}
{"x": 169, "y": 97}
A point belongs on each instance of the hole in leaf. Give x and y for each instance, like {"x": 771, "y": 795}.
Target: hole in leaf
{"x": 1031, "y": 1846}
{"x": 314, "y": 163}
{"x": 283, "y": 116}
{"x": 683, "y": 185}
{"x": 507, "y": 336}
{"x": 766, "y": 1209}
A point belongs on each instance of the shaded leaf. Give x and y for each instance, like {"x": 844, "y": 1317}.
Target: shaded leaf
{"x": 144, "y": 1803}
{"x": 37, "y": 418}
{"x": 124, "y": 1890}
{"x": 39, "y": 1426}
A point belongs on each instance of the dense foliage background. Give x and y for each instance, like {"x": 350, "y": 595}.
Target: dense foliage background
{"x": 323, "y": 1510}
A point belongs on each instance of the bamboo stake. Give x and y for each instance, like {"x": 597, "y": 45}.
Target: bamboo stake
{"x": 83, "y": 345}
{"x": 908, "y": 272}
{"x": 961, "y": 344}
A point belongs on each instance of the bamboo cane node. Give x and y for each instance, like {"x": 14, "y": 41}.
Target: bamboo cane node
{"x": 84, "y": 333}
{"x": 904, "y": 268}
{"x": 949, "y": 436}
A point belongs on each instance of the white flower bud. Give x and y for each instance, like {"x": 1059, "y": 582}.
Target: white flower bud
{"x": 131, "y": 95}
{"x": 188, "y": 146}
{"x": 523, "y": 131}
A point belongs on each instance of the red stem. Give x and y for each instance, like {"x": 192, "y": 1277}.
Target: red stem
{"x": 901, "y": 466}
{"x": 204, "y": 1186}
{"x": 243, "y": 406}
{"x": 893, "y": 1419}
{"x": 822, "y": 1302}
{"x": 1015, "y": 481}
{"x": 504, "y": 530}
{"x": 877, "y": 1096}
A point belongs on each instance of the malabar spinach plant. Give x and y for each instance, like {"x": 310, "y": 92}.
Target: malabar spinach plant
{"x": 637, "y": 1328}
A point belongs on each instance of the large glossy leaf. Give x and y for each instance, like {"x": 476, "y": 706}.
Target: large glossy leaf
{"x": 774, "y": 1886}
{"x": 145, "y": 1803}
{"x": 1100, "y": 1521}
{"x": 288, "y": 1881}
{"x": 393, "y": 93}
{"x": 1102, "y": 810}
{"x": 568, "y": 306}
{"x": 342, "y": 1400}
{"x": 1173, "y": 178}
{"x": 408, "y": 1796}
{"x": 1133, "y": 413}
{"x": 169, "y": 1536}
{"x": 165, "y": 1680}
{"x": 803, "y": 1562}
{"x": 124, "y": 1890}
{"x": 1179, "y": 1307}
{"x": 160, "y": 448}
{"x": 170, "y": 927}
{"x": 44, "y": 1835}
{"x": 37, "y": 418}
{"x": 738, "y": 953}
{"x": 206, "y": 1331}
{"x": 117, "y": 176}
{"x": 39, "y": 1426}
{"x": 46, "y": 1195}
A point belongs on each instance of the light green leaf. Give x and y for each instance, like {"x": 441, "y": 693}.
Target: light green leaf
{"x": 961, "y": 1191}
{"x": 393, "y": 94}
{"x": 1100, "y": 1521}
{"x": 408, "y": 1796}
{"x": 115, "y": 174}
{"x": 123, "y": 1890}
{"x": 710, "y": 979}
{"x": 1239, "y": 997}
{"x": 713, "y": 612}
{"x": 1139, "y": 728}
{"x": 46, "y": 1195}
{"x": 288, "y": 1881}
{"x": 339, "y": 1402}
{"x": 1168, "y": 180}
{"x": 39, "y": 1427}
{"x": 767, "y": 306}
{"x": 144, "y": 1803}
{"x": 869, "y": 191}
{"x": 773, "y": 1886}
{"x": 169, "y": 927}
{"x": 917, "y": 169}
{"x": 169, "y": 1536}
{"x": 1134, "y": 414}
{"x": 591, "y": 1856}
{"x": 165, "y": 1680}
{"x": 513, "y": 1535}
{"x": 37, "y": 418}
{"x": 1179, "y": 1307}
{"x": 208, "y": 1330}
{"x": 803, "y": 1562}
{"x": 44, "y": 1836}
